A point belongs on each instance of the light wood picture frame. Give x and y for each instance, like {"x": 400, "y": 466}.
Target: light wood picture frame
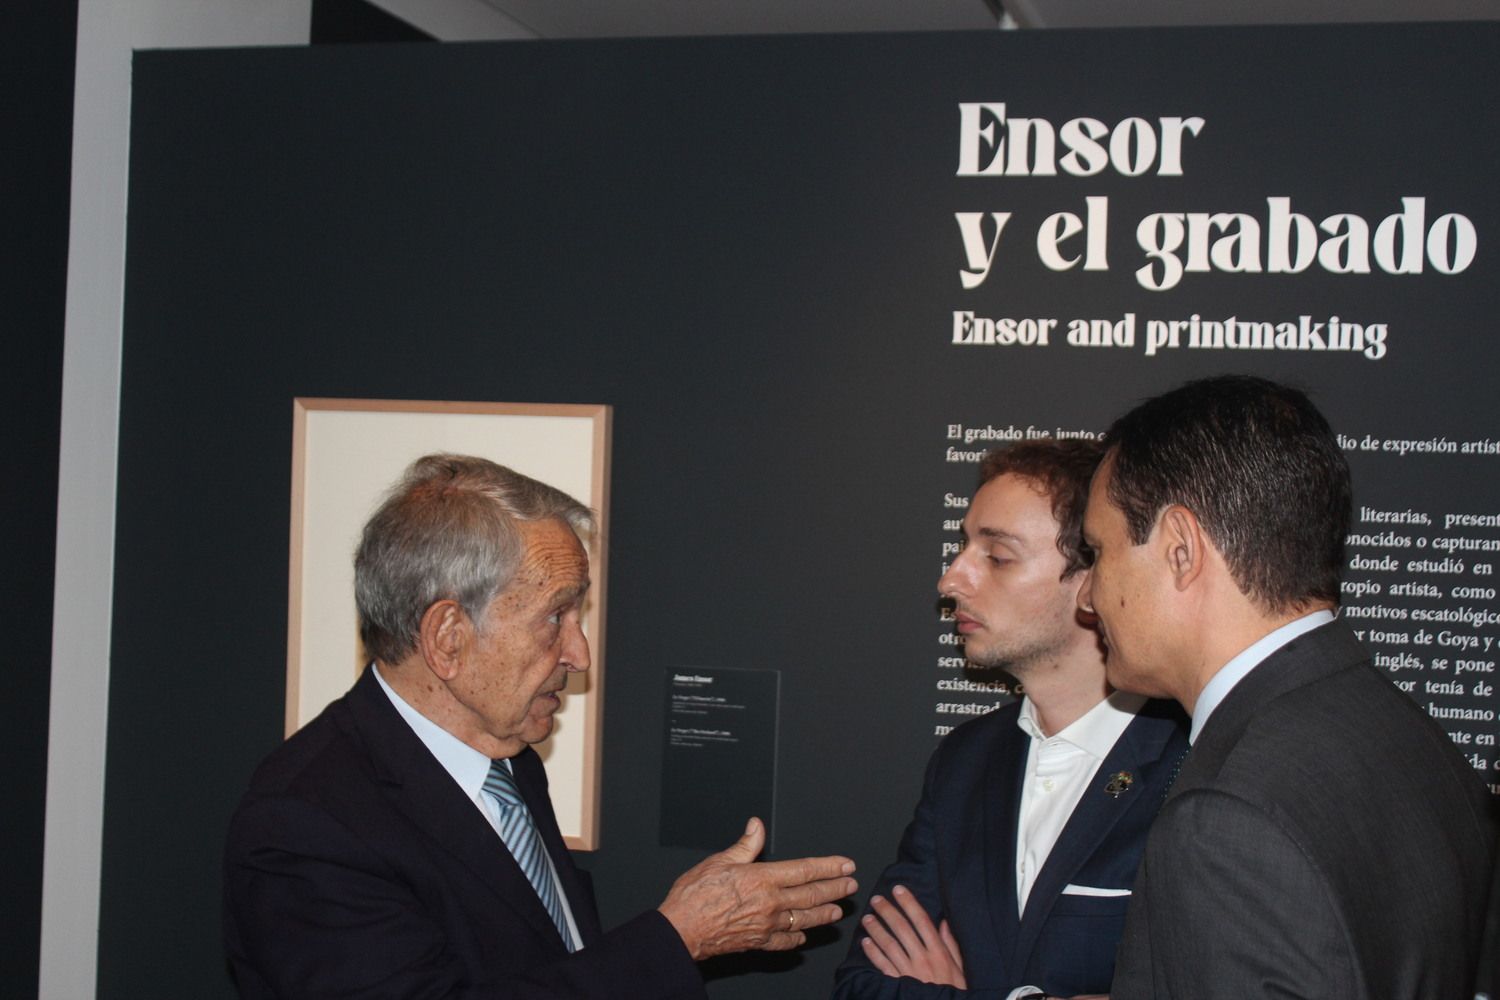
{"x": 345, "y": 454}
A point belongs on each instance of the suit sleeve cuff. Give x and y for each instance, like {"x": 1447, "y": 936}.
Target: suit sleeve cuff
{"x": 651, "y": 951}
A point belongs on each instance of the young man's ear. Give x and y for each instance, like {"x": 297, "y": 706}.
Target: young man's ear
{"x": 444, "y": 638}
{"x": 1183, "y": 545}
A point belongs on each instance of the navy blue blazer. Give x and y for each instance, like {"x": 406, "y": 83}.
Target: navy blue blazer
{"x": 958, "y": 856}
{"x": 357, "y": 868}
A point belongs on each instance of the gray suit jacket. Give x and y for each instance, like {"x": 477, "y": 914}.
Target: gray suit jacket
{"x": 1325, "y": 840}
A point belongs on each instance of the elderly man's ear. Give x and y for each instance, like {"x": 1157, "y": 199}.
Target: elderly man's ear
{"x": 444, "y": 638}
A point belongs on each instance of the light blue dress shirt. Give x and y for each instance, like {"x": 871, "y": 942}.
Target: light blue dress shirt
{"x": 1237, "y": 669}
{"x": 469, "y": 768}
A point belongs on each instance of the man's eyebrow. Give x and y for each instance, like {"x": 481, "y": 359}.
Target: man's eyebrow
{"x": 1003, "y": 537}
{"x": 566, "y": 595}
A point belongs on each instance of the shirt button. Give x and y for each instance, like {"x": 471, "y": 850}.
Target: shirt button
{"x": 1047, "y": 785}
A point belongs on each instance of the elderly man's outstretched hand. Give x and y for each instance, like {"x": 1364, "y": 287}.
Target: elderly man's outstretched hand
{"x": 729, "y": 902}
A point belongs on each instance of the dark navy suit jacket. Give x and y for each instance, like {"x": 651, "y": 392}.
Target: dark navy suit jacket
{"x": 357, "y": 868}
{"x": 958, "y": 857}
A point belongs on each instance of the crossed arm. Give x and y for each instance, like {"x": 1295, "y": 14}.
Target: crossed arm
{"x": 902, "y": 941}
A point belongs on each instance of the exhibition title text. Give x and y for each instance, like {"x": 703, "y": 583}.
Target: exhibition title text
{"x": 1277, "y": 238}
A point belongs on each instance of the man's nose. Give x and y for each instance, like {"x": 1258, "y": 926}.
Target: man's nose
{"x": 1086, "y": 593}
{"x": 576, "y": 650}
{"x": 955, "y": 576}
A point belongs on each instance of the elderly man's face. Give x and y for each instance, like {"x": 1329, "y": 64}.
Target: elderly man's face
{"x": 530, "y": 638}
{"x": 1011, "y": 603}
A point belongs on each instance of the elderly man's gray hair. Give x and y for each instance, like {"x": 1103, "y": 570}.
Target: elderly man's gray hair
{"x": 446, "y": 531}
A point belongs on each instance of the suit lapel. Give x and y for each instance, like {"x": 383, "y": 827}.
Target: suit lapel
{"x": 426, "y": 794}
{"x": 995, "y": 839}
{"x": 1137, "y": 751}
{"x": 1311, "y": 656}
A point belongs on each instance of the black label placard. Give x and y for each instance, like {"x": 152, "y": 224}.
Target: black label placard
{"x": 719, "y": 762}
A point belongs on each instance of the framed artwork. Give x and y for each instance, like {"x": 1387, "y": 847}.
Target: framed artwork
{"x": 345, "y": 454}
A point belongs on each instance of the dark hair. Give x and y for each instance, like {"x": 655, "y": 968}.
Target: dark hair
{"x": 1062, "y": 470}
{"x": 1258, "y": 466}
{"x": 446, "y": 531}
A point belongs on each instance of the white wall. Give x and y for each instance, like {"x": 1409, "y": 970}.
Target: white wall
{"x": 108, "y": 32}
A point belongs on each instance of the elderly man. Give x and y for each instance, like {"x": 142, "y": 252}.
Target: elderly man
{"x": 1014, "y": 874}
{"x": 1324, "y": 838}
{"x": 402, "y": 844}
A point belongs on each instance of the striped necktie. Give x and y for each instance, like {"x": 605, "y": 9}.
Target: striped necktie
{"x": 519, "y": 834}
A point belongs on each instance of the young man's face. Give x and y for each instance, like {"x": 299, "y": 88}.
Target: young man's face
{"x": 1011, "y": 603}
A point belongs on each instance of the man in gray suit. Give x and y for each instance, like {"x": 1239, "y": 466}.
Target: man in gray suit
{"x": 1324, "y": 838}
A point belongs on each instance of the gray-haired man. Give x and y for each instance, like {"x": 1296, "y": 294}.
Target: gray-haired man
{"x": 403, "y": 844}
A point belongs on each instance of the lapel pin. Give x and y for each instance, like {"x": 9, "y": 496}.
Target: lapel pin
{"x": 1119, "y": 783}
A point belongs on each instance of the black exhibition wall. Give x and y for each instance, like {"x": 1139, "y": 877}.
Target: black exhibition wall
{"x": 777, "y": 259}
{"x": 36, "y": 63}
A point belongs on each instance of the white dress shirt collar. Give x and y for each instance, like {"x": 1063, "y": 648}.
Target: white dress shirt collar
{"x": 1231, "y": 673}
{"x": 467, "y": 765}
{"x": 1095, "y": 731}
{"x": 469, "y": 768}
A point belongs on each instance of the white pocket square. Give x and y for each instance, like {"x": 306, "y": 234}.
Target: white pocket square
{"x": 1090, "y": 890}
